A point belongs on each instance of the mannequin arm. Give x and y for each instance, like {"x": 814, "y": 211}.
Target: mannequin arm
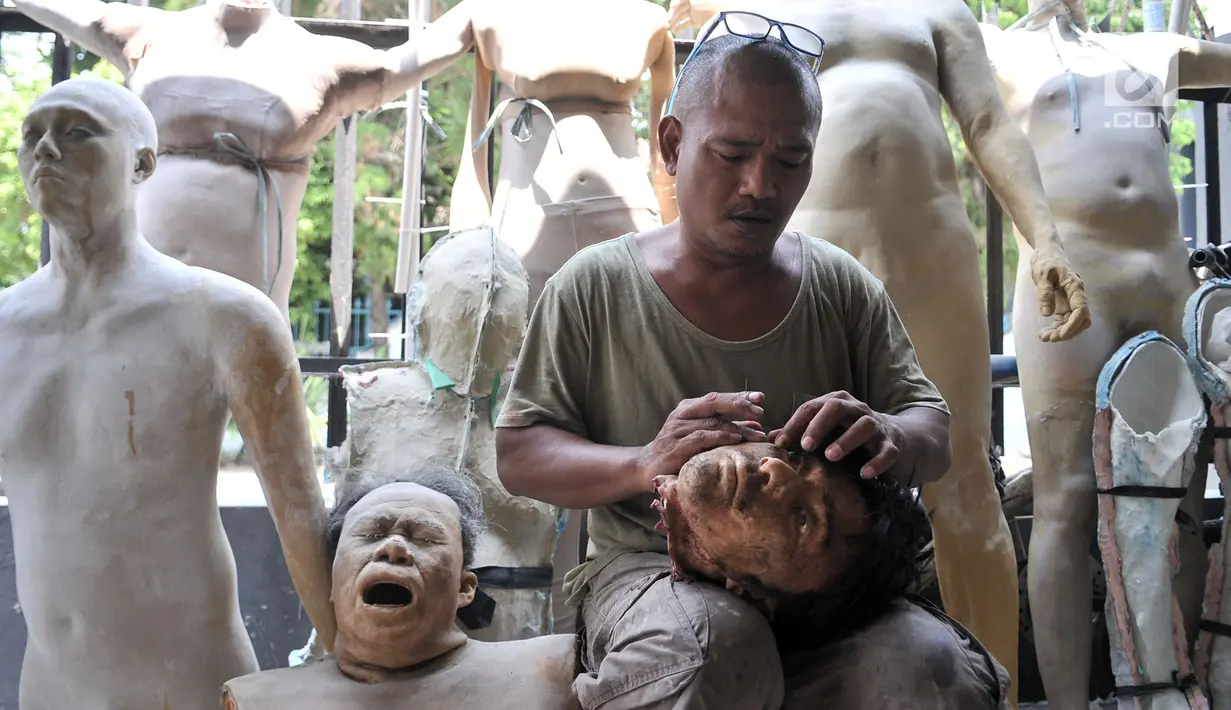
{"x": 104, "y": 28}
{"x": 662, "y": 79}
{"x": 1006, "y": 160}
{"x": 470, "y": 203}
{"x": 369, "y": 78}
{"x": 997, "y": 145}
{"x": 265, "y": 395}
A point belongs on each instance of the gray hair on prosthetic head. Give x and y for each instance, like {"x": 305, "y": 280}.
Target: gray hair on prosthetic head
{"x": 468, "y": 308}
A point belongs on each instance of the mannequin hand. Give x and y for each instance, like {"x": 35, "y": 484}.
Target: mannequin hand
{"x": 683, "y": 16}
{"x": 1061, "y": 294}
{"x": 865, "y": 429}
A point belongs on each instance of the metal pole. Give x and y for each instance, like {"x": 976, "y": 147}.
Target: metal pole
{"x": 1180, "y": 12}
{"x": 1155, "y": 14}
{"x": 995, "y": 303}
{"x": 410, "y": 239}
{"x": 61, "y": 69}
{"x": 1213, "y": 183}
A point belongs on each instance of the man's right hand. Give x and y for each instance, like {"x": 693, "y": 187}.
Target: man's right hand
{"x": 701, "y": 424}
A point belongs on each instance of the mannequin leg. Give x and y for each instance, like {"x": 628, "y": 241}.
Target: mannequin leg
{"x": 975, "y": 563}
{"x": 1058, "y": 382}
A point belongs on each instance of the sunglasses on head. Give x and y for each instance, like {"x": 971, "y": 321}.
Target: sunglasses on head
{"x": 754, "y": 27}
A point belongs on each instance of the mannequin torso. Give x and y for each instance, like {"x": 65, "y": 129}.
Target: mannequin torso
{"x": 533, "y": 673}
{"x": 582, "y": 179}
{"x": 120, "y": 435}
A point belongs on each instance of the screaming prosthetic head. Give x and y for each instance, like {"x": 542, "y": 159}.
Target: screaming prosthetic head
{"x": 760, "y": 519}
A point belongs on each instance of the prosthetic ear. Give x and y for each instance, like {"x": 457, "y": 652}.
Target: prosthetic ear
{"x": 144, "y": 168}
{"x": 465, "y": 592}
{"x": 670, "y": 136}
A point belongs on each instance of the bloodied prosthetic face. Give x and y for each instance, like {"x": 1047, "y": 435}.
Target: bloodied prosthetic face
{"x": 399, "y": 573}
{"x": 84, "y": 144}
{"x": 739, "y": 143}
{"x": 756, "y": 514}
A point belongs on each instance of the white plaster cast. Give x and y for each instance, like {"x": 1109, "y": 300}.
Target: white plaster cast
{"x": 468, "y": 307}
{"x": 123, "y": 365}
{"x": 240, "y": 67}
{"x": 1208, "y": 323}
{"x": 1146, "y": 434}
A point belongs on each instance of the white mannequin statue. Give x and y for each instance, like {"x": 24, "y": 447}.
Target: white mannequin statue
{"x": 1104, "y": 162}
{"x": 234, "y": 78}
{"x": 884, "y": 188}
{"x": 126, "y": 363}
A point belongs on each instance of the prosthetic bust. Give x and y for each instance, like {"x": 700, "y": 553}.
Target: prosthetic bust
{"x": 570, "y": 174}
{"x": 110, "y": 460}
{"x": 467, "y": 310}
{"x": 241, "y": 95}
{"x": 1207, "y": 328}
{"x": 1148, "y": 423}
{"x": 1103, "y": 159}
{"x": 401, "y": 569}
{"x": 884, "y": 188}
{"x": 828, "y": 557}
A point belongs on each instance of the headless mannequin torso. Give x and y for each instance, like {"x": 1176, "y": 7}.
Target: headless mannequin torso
{"x": 581, "y": 180}
{"x": 124, "y": 573}
{"x": 884, "y": 188}
{"x": 1116, "y": 209}
{"x": 239, "y": 67}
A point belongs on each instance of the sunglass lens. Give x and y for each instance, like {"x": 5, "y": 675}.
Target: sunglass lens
{"x": 747, "y": 24}
{"x": 803, "y": 40}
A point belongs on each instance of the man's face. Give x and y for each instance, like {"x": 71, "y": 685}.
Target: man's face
{"x": 753, "y": 512}
{"x": 397, "y": 574}
{"x": 76, "y": 157}
{"x": 742, "y": 160}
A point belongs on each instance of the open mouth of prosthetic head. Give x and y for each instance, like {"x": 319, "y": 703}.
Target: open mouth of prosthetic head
{"x": 387, "y": 594}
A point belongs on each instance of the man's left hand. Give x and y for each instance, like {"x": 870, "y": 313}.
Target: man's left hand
{"x": 865, "y": 428}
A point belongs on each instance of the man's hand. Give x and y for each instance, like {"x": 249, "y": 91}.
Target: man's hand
{"x": 1061, "y": 293}
{"x": 865, "y": 429}
{"x": 696, "y": 425}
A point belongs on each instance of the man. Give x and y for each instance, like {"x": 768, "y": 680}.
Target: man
{"x": 110, "y": 461}
{"x": 646, "y": 350}
{"x": 402, "y": 553}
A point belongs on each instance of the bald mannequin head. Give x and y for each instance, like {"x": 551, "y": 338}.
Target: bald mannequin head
{"x": 739, "y": 142}
{"x": 85, "y": 143}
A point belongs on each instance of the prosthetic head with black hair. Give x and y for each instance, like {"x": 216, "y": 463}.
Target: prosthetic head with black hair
{"x": 739, "y": 142}
{"x": 820, "y": 549}
{"x": 402, "y": 547}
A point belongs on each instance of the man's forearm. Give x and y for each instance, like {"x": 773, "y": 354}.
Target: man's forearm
{"x": 925, "y": 453}
{"x": 561, "y": 468}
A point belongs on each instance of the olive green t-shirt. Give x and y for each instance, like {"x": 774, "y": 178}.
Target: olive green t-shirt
{"x": 608, "y": 357}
